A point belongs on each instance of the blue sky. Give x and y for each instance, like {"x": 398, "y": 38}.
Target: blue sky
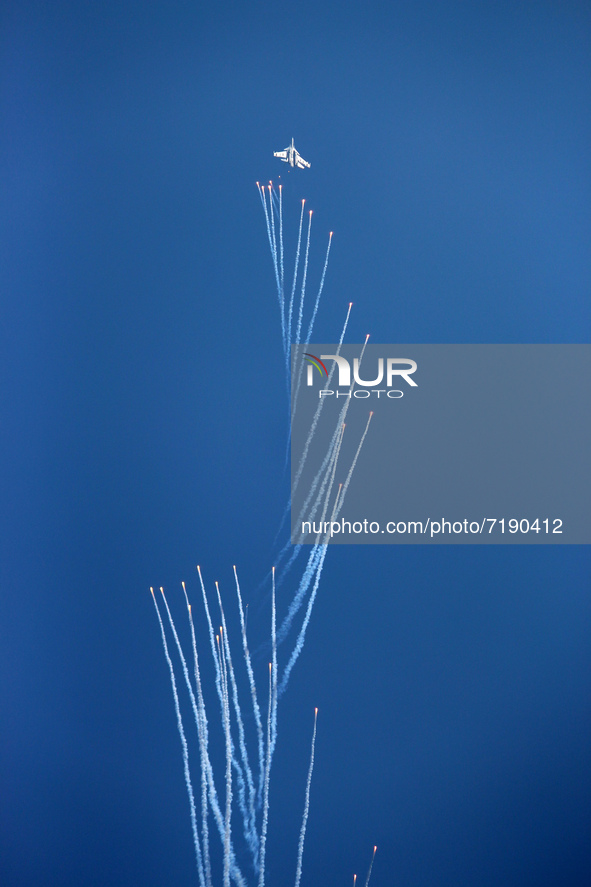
{"x": 449, "y": 145}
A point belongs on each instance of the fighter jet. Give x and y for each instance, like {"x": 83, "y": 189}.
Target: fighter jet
{"x": 291, "y": 156}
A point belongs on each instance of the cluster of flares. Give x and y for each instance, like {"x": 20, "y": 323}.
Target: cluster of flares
{"x": 239, "y": 802}
{"x": 272, "y": 202}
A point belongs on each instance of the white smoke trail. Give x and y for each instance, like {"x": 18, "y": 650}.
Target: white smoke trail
{"x": 226, "y": 669}
{"x": 223, "y": 684}
{"x": 279, "y": 285}
{"x": 295, "y": 368}
{"x": 273, "y": 249}
{"x": 306, "y": 807}
{"x": 353, "y": 464}
{"x": 274, "y": 665}
{"x": 248, "y": 815}
{"x": 336, "y": 510}
{"x": 330, "y": 486}
{"x": 370, "y": 867}
{"x": 311, "y": 433}
{"x": 329, "y": 481}
{"x": 268, "y": 223}
{"x": 293, "y": 288}
{"x": 181, "y": 730}
{"x": 273, "y": 239}
{"x": 277, "y": 255}
{"x": 228, "y": 742}
{"x": 281, "y": 257}
{"x": 308, "y": 510}
{"x": 300, "y": 594}
{"x": 253, "y": 692}
{"x": 203, "y": 738}
{"x": 302, "y": 635}
{"x": 306, "y": 579}
{"x": 318, "y": 408}
{"x": 324, "y": 477}
{"x": 205, "y": 760}
{"x": 304, "y": 276}
{"x": 320, "y": 478}
{"x": 321, "y": 287}
{"x": 318, "y": 569}
{"x": 214, "y": 653}
{"x": 341, "y": 422}
{"x": 263, "y": 842}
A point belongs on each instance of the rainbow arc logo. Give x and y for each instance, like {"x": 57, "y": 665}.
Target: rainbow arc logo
{"x": 314, "y": 361}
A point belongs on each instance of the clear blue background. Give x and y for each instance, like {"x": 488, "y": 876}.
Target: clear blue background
{"x": 144, "y": 423}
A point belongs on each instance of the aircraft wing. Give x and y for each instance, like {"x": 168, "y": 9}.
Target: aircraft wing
{"x": 300, "y": 162}
{"x": 281, "y": 154}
